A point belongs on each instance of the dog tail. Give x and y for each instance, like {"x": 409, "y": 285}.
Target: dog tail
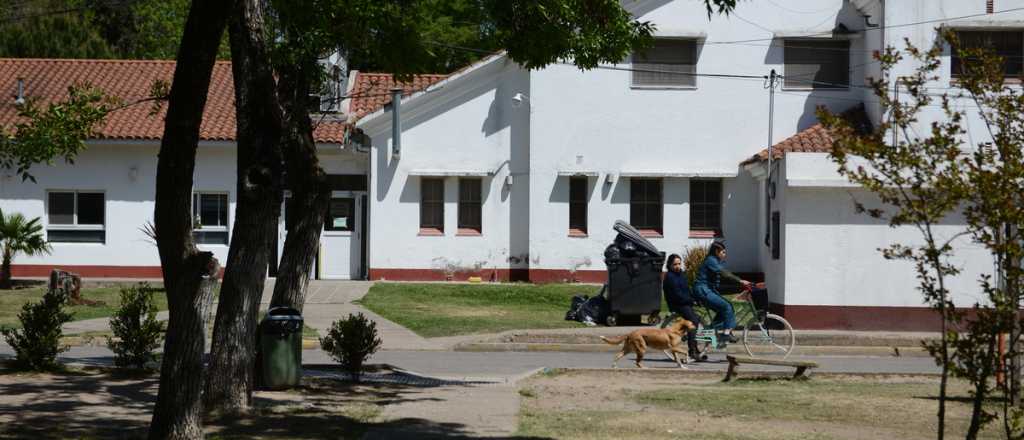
{"x": 614, "y": 341}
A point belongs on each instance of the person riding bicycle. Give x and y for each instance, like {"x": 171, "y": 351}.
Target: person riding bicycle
{"x": 706, "y": 286}
{"x": 680, "y": 302}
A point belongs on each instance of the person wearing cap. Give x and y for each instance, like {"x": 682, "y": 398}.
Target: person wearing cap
{"x": 706, "y": 289}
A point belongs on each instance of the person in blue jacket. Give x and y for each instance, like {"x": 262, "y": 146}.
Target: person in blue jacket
{"x": 705, "y": 289}
{"x": 680, "y": 301}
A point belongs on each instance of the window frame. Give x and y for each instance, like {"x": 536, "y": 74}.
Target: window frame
{"x": 426, "y": 229}
{"x": 636, "y": 63}
{"x": 467, "y": 207}
{"x": 197, "y": 199}
{"x": 648, "y": 228}
{"x": 811, "y": 86}
{"x": 578, "y": 228}
{"x": 74, "y": 225}
{"x": 705, "y": 230}
{"x": 955, "y": 60}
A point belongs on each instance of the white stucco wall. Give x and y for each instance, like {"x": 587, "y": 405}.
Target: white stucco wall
{"x": 831, "y": 252}
{"x": 469, "y": 128}
{"x": 128, "y": 203}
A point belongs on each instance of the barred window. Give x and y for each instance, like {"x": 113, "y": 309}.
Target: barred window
{"x": 645, "y": 205}
{"x": 470, "y": 205}
{"x": 432, "y": 204}
{"x": 706, "y": 206}
{"x": 578, "y": 205}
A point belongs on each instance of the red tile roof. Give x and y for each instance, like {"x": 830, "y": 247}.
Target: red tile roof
{"x": 372, "y": 91}
{"x": 129, "y": 80}
{"x": 815, "y": 139}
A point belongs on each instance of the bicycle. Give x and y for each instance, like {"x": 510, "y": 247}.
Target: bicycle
{"x": 764, "y": 333}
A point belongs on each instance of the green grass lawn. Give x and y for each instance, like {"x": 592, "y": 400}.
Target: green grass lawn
{"x": 433, "y": 310}
{"x": 11, "y": 302}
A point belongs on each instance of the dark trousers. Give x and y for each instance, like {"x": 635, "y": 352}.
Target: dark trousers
{"x": 688, "y": 314}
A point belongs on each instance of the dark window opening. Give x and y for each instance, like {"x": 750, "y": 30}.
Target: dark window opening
{"x": 578, "y": 205}
{"x": 706, "y": 206}
{"x": 645, "y": 205}
{"x": 470, "y": 205}
{"x": 671, "y": 62}
{"x": 814, "y": 64}
{"x": 1009, "y": 45}
{"x": 432, "y": 204}
{"x": 75, "y": 217}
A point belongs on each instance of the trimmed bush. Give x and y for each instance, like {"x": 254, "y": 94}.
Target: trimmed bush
{"x": 37, "y": 343}
{"x": 135, "y": 326}
{"x": 351, "y": 341}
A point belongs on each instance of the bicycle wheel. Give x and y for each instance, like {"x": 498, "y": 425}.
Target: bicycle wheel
{"x": 771, "y": 337}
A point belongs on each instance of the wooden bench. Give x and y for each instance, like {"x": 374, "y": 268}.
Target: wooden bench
{"x": 735, "y": 361}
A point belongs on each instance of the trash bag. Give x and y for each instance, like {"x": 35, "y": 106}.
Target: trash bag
{"x": 612, "y": 252}
{"x": 574, "y": 308}
{"x": 596, "y": 309}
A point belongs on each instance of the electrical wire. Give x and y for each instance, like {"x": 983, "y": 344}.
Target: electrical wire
{"x": 894, "y": 26}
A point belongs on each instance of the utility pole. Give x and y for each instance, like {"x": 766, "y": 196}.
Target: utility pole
{"x": 768, "y": 192}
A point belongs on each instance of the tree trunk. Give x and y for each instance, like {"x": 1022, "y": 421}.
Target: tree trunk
{"x": 5, "y": 272}
{"x": 310, "y": 192}
{"x": 230, "y": 383}
{"x": 178, "y": 410}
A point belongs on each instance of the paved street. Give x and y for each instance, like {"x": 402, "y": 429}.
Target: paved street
{"x": 509, "y": 364}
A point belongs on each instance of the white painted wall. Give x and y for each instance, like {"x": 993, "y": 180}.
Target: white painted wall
{"x": 468, "y": 127}
{"x": 831, "y": 253}
{"x": 595, "y": 120}
{"x": 128, "y": 204}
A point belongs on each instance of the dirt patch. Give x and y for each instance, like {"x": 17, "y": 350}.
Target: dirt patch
{"x": 624, "y": 403}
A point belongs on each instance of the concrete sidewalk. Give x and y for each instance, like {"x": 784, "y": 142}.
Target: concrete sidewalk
{"x": 326, "y": 302}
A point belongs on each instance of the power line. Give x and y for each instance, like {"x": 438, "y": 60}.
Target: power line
{"x": 895, "y": 26}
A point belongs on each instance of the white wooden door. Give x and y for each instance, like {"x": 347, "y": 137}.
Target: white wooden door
{"x": 340, "y": 241}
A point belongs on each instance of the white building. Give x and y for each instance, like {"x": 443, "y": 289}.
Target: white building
{"x": 505, "y": 173}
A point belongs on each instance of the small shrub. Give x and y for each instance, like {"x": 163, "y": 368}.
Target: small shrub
{"x": 37, "y": 343}
{"x": 693, "y": 257}
{"x": 135, "y": 324}
{"x": 351, "y": 341}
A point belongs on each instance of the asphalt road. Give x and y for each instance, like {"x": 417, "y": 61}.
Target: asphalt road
{"x": 505, "y": 364}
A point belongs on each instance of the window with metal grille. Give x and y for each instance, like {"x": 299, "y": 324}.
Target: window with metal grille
{"x": 432, "y": 205}
{"x": 1006, "y": 44}
{"x": 75, "y": 217}
{"x": 669, "y": 63}
{"x": 210, "y": 211}
{"x": 814, "y": 64}
{"x": 706, "y": 206}
{"x": 578, "y": 205}
{"x": 469, "y": 205}
{"x": 645, "y": 205}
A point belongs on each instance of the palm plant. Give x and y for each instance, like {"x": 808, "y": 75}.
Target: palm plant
{"x": 18, "y": 235}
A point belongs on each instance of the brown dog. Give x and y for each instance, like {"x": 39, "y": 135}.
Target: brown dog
{"x": 668, "y": 339}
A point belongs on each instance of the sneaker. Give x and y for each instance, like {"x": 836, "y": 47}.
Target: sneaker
{"x": 698, "y": 357}
{"x": 729, "y": 337}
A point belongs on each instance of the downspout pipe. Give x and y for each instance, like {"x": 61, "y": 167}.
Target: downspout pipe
{"x": 396, "y": 122}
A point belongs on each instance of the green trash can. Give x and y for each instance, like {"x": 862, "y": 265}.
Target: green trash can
{"x": 280, "y": 348}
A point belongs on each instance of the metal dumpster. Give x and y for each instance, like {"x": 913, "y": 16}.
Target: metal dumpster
{"x": 634, "y": 276}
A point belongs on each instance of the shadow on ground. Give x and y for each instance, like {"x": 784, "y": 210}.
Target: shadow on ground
{"x": 104, "y": 403}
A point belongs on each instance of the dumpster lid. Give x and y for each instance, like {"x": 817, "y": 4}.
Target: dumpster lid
{"x": 283, "y": 314}
{"x": 633, "y": 235}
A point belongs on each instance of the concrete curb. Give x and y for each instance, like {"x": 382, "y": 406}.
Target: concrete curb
{"x": 101, "y": 341}
{"x": 732, "y": 349}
